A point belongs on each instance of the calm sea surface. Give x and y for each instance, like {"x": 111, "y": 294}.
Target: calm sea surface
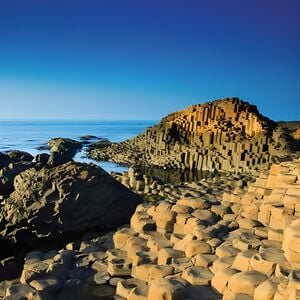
{"x": 28, "y": 135}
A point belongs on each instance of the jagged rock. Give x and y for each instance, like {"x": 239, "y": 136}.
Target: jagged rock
{"x": 103, "y": 143}
{"x": 62, "y": 150}
{"x": 69, "y": 198}
{"x": 42, "y": 158}
{"x": 64, "y": 145}
{"x": 7, "y": 175}
{"x": 56, "y": 159}
{"x": 17, "y": 156}
{"x": 200, "y": 251}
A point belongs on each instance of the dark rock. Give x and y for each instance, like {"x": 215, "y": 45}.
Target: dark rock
{"x": 42, "y": 158}
{"x": 103, "y": 143}
{"x": 87, "y": 290}
{"x": 8, "y": 174}
{"x": 64, "y": 146}
{"x": 10, "y": 269}
{"x": 44, "y": 147}
{"x": 70, "y": 198}
{"x": 17, "y": 156}
{"x": 4, "y": 160}
{"x": 87, "y": 140}
{"x": 56, "y": 159}
{"x": 87, "y": 137}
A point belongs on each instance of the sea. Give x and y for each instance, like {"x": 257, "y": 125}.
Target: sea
{"x": 29, "y": 135}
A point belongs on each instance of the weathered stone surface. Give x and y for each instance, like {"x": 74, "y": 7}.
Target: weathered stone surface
{"x": 246, "y": 282}
{"x": 17, "y": 156}
{"x": 265, "y": 290}
{"x": 62, "y": 150}
{"x": 64, "y": 146}
{"x": 226, "y": 134}
{"x": 124, "y": 287}
{"x": 162, "y": 289}
{"x": 197, "y": 247}
{"x": 8, "y": 174}
{"x": 201, "y": 250}
{"x": 221, "y": 278}
{"x": 291, "y": 242}
{"x": 72, "y": 197}
{"x": 197, "y": 276}
{"x": 4, "y": 160}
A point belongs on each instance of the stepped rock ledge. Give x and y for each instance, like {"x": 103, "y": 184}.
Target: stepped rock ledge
{"x": 69, "y": 230}
{"x": 224, "y": 135}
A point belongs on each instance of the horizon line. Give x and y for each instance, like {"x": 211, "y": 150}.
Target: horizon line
{"x": 75, "y": 119}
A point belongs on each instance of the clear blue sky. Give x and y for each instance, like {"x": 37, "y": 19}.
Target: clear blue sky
{"x": 142, "y": 59}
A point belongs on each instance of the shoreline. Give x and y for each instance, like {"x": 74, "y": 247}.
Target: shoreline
{"x": 164, "y": 231}
{"x": 216, "y": 217}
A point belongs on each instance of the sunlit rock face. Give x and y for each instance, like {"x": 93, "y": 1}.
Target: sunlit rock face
{"x": 227, "y": 135}
{"x": 51, "y": 203}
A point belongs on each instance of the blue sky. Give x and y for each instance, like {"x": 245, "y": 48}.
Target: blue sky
{"x": 134, "y": 59}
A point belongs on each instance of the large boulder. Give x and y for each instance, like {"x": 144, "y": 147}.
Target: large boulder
{"x": 62, "y": 150}
{"x": 66, "y": 199}
{"x": 7, "y": 175}
{"x": 102, "y": 143}
{"x": 17, "y": 156}
{"x": 4, "y": 160}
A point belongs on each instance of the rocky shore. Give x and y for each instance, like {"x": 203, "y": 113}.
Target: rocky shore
{"x": 200, "y": 243}
{"x": 70, "y": 230}
{"x": 223, "y": 135}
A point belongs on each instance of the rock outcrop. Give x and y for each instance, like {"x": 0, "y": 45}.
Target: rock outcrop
{"x": 8, "y": 174}
{"x": 243, "y": 245}
{"x": 17, "y": 156}
{"x": 4, "y": 160}
{"x": 223, "y": 135}
{"x": 69, "y": 198}
{"x": 62, "y": 150}
{"x": 64, "y": 146}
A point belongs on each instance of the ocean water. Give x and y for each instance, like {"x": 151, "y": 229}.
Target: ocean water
{"x": 29, "y": 135}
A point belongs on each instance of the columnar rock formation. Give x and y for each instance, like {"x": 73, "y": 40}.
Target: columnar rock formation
{"x": 244, "y": 245}
{"x": 228, "y": 135}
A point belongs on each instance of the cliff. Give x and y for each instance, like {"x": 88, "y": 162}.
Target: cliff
{"x": 224, "y": 135}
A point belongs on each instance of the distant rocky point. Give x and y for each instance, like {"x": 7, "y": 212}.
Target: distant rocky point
{"x": 222, "y": 135}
